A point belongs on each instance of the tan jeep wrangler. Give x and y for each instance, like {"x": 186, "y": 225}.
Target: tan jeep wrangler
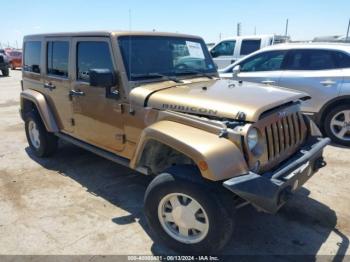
{"x": 154, "y": 102}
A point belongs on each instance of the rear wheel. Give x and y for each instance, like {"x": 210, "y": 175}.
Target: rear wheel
{"x": 42, "y": 143}
{"x": 187, "y": 216}
{"x": 337, "y": 125}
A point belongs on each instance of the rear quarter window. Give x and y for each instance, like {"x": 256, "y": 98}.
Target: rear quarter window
{"x": 32, "y": 56}
{"x": 342, "y": 60}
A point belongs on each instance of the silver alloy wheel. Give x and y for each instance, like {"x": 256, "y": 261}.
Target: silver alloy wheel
{"x": 183, "y": 218}
{"x": 340, "y": 125}
{"x": 34, "y": 134}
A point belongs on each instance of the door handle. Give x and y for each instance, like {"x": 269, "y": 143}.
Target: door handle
{"x": 76, "y": 93}
{"x": 49, "y": 85}
{"x": 328, "y": 83}
{"x": 268, "y": 82}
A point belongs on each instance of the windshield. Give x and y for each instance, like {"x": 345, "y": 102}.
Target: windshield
{"x": 148, "y": 57}
{"x": 15, "y": 54}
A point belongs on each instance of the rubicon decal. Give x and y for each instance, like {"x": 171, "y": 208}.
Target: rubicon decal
{"x": 192, "y": 109}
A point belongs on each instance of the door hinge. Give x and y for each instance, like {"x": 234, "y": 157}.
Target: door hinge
{"x": 72, "y": 121}
{"x": 119, "y": 108}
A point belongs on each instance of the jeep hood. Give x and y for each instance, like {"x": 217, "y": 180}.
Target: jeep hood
{"x": 219, "y": 98}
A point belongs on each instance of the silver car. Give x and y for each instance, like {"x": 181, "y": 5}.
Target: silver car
{"x": 321, "y": 70}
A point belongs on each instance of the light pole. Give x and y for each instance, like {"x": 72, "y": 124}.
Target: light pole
{"x": 347, "y": 32}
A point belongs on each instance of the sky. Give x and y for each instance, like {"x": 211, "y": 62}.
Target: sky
{"x": 208, "y": 19}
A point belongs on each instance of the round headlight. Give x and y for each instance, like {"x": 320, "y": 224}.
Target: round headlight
{"x": 252, "y": 138}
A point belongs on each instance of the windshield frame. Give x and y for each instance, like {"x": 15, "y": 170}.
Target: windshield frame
{"x": 210, "y": 73}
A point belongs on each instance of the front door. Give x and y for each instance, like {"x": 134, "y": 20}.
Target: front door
{"x": 223, "y": 53}
{"x": 265, "y": 68}
{"x": 97, "y": 118}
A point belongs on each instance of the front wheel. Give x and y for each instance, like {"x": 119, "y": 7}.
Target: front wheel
{"x": 5, "y": 72}
{"x": 187, "y": 216}
{"x": 337, "y": 125}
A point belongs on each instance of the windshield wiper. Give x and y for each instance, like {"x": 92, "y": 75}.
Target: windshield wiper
{"x": 155, "y": 75}
{"x": 193, "y": 72}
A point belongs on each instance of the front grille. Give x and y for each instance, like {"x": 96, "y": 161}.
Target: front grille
{"x": 284, "y": 135}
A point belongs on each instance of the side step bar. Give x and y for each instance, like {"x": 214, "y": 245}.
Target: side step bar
{"x": 98, "y": 151}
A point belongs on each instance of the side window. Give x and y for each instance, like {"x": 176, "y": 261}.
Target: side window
{"x": 57, "y": 58}
{"x": 250, "y": 46}
{"x": 267, "y": 61}
{"x": 92, "y": 55}
{"x": 32, "y": 56}
{"x": 320, "y": 60}
{"x": 225, "y": 48}
{"x": 311, "y": 60}
{"x": 342, "y": 60}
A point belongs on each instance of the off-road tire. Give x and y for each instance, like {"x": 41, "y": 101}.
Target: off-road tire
{"x": 48, "y": 141}
{"x": 221, "y": 220}
{"x": 5, "y": 72}
{"x": 327, "y": 125}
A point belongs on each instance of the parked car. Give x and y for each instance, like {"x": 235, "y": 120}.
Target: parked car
{"x": 321, "y": 70}
{"x": 232, "y": 49}
{"x": 212, "y": 146}
{"x": 15, "y": 58}
{"x": 4, "y": 63}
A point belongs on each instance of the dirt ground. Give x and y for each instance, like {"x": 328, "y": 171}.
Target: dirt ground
{"x": 79, "y": 203}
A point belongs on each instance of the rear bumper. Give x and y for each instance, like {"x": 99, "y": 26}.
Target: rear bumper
{"x": 271, "y": 190}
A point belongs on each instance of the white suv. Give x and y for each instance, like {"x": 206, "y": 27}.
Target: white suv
{"x": 321, "y": 70}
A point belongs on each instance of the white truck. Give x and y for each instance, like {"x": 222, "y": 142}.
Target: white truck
{"x": 231, "y": 49}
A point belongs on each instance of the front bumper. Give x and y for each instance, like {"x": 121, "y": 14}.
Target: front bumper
{"x": 271, "y": 190}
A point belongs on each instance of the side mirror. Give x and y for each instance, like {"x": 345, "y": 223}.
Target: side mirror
{"x": 104, "y": 78}
{"x": 213, "y": 53}
{"x": 236, "y": 70}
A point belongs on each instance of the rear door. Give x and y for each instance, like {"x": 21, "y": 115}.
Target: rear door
{"x": 98, "y": 119}
{"x": 343, "y": 62}
{"x": 57, "y": 80}
{"x": 265, "y": 67}
{"x": 223, "y": 52}
{"x": 315, "y": 72}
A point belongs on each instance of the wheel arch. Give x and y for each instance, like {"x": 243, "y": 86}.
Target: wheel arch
{"x": 329, "y": 106}
{"x": 34, "y": 100}
{"x": 217, "y": 158}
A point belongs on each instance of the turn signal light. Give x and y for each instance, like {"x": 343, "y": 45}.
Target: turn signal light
{"x": 203, "y": 165}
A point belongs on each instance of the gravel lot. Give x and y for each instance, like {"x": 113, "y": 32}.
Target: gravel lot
{"x": 79, "y": 203}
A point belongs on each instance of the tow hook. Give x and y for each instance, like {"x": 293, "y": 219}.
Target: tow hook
{"x": 319, "y": 163}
